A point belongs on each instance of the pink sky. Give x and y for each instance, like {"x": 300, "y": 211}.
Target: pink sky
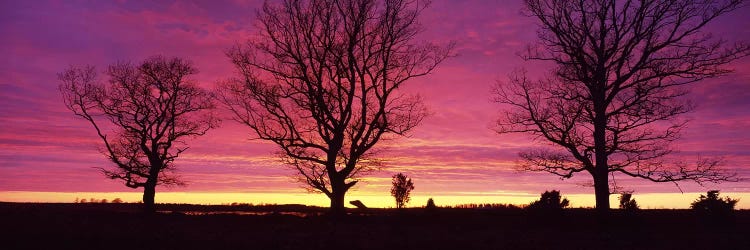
{"x": 454, "y": 152}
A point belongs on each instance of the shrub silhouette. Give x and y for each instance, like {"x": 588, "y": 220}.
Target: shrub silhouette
{"x": 550, "y": 201}
{"x": 712, "y": 204}
{"x": 430, "y": 204}
{"x": 627, "y": 202}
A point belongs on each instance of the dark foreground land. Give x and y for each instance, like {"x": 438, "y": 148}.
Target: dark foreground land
{"x": 121, "y": 226}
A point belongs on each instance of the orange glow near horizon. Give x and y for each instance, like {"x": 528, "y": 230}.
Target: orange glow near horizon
{"x": 646, "y": 200}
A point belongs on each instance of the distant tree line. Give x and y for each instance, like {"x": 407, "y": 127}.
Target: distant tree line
{"x": 94, "y": 200}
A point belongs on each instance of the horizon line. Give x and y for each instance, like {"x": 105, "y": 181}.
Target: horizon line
{"x": 656, "y": 200}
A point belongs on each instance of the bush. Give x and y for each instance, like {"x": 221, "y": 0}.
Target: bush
{"x": 430, "y": 204}
{"x": 550, "y": 201}
{"x": 711, "y": 204}
{"x": 627, "y": 202}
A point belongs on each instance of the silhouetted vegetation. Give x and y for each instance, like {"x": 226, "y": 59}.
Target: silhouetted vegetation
{"x": 713, "y": 205}
{"x": 401, "y": 188}
{"x": 627, "y": 202}
{"x": 321, "y": 81}
{"x": 485, "y": 206}
{"x": 549, "y": 201}
{"x": 430, "y": 204}
{"x": 152, "y": 107}
{"x": 611, "y": 104}
{"x": 94, "y": 200}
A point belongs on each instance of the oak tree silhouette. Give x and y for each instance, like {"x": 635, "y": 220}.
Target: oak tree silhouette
{"x": 611, "y": 104}
{"x": 143, "y": 114}
{"x": 321, "y": 81}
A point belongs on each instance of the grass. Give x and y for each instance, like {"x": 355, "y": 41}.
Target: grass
{"x": 180, "y": 226}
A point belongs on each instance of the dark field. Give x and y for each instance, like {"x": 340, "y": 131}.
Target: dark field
{"x": 121, "y": 226}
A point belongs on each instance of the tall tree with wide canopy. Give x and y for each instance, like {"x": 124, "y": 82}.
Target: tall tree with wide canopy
{"x": 613, "y": 101}
{"x": 143, "y": 114}
{"x": 321, "y": 81}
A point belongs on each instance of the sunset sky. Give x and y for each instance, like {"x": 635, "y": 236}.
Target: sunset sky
{"x": 48, "y": 155}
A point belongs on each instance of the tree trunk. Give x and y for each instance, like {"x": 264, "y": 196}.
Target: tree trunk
{"x": 337, "y": 203}
{"x": 338, "y": 191}
{"x": 149, "y": 191}
{"x": 601, "y": 170}
{"x": 601, "y": 174}
{"x": 601, "y": 190}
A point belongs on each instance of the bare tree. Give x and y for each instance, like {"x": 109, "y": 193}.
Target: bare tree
{"x": 321, "y": 81}
{"x": 612, "y": 103}
{"x": 402, "y": 187}
{"x": 143, "y": 116}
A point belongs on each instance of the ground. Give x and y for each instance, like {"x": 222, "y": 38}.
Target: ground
{"x": 121, "y": 226}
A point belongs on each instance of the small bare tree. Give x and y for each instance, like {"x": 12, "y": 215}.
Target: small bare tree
{"x": 150, "y": 109}
{"x": 321, "y": 81}
{"x": 612, "y": 103}
{"x": 401, "y": 189}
